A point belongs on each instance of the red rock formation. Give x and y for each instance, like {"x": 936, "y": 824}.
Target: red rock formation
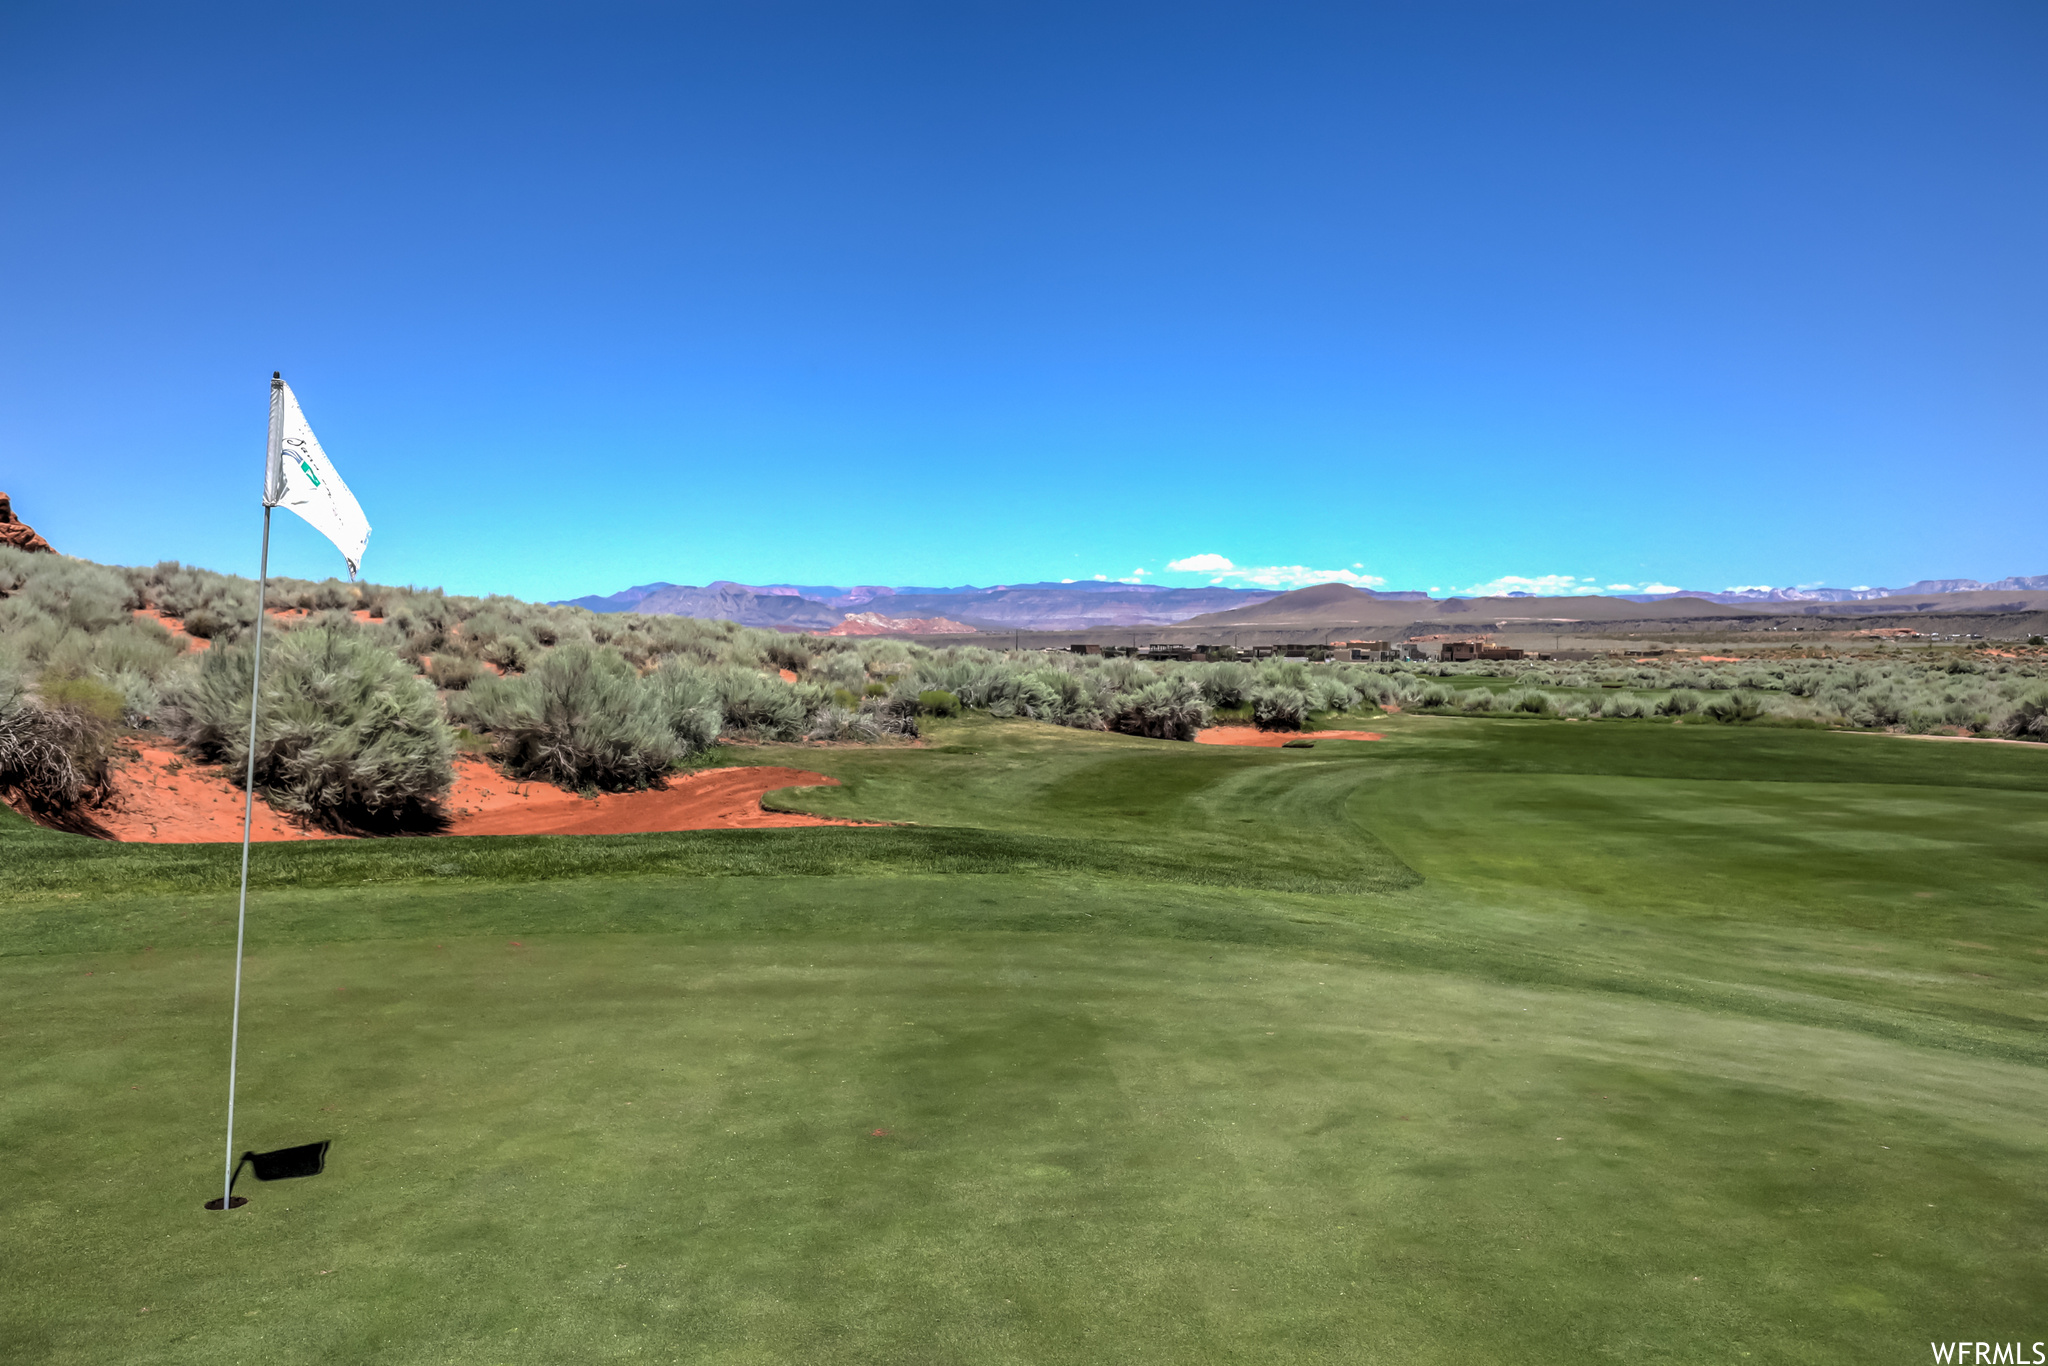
{"x": 875, "y": 624}
{"x": 19, "y": 534}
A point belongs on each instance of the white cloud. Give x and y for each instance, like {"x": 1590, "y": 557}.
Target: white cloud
{"x": 1282, "y": 576}
{"x": 1540, "y": 585}
{"x": 1624, "y": 588}
{"x": 1752, "y": 588}
{"x": 1662, "y": 588}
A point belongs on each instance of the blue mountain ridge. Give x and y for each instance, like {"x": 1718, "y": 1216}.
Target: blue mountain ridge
{"x": 1091, "y": 603}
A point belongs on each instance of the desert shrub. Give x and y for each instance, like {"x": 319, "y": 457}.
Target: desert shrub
{"x": 835, "y": 722}
{"x": 839, "y": 669}
{"x": 512, "y": 652}
{"x": 54, "y": 747}
{"x": 1679, "y": 703}
{"x": 1881, "y": 706}
{"x": 453, "y": 672}
{"x": 938, "y": 702}
{"x": 1169, "y": 709}
{"x": 1279, "y": 707}
{"x": 1436, "y": 695}
{"x": 1478, "y": 699}
{"x": 787, "y": 652}
{"x": 1529, "y": 700}
{"x": 1331, "y": 693}
{"x": 1623, "y": 705}
{"x": 139, "y": 695}
{"x": 39, "y": 759}
{"x": 762, "y": 704}
{"x": 1226, "y": 684}
{"x": 348, "y": 737}
{"x": 207, "y": 624}
{"x": 1734, "y": 709}
{"x": 2026, "y": 718}
{"x": 686, "y": 699}
{"x": 580, "y": 718}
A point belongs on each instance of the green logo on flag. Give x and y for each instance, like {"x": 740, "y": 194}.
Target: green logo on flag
{"x": 309, "y": 472}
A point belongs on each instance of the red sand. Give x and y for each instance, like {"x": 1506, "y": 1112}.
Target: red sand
{"x": 787, "y": 675}
{"x": 202, "y": 804}
{"x": 1273, "y": 739}
{"x": 1720, "y": 659}
{"x": 153, "y": 803}
{"x": 484, "y": 802}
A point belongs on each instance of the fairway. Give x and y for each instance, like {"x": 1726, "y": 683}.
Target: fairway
{"x": 1500, "y": 1040}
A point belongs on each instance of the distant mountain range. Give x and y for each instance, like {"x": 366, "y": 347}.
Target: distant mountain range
{"x": 2032, "y": 583}
{"x": 1092, "y": 604}
{"x": 1077, "y": 606}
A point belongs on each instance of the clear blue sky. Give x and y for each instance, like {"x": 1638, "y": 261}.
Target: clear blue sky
{"x": 580, "y": 296}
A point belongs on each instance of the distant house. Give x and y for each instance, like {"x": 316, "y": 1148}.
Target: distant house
{"x": 1460, "y": 651}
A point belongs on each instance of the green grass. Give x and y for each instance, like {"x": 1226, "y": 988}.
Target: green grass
{"x": 1498, "y": 1040}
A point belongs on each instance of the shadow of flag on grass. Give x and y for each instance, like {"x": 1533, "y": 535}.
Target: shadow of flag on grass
{"x": 280, "y": 1164}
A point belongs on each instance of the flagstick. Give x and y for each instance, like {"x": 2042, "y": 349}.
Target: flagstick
{"x": 242, "y": 911}
{"x": 270, "y": 493}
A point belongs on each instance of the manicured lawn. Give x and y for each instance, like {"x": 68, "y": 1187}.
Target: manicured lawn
{"x": 1499, "y": 1040}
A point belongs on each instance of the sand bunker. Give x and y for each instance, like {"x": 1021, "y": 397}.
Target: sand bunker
{"x": 162, "y": 798}
{"x": 484, "y": 802}
{"x": 1273, "y": 739}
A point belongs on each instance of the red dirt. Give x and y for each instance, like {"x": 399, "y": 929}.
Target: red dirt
{"x": 174, "y": 626}
{"x": 1273, "y": 739}
{"x": 195, "y": 804}
{"x": 202, "y": 804}
{"x": 788, "y": 675}
{"x": 484, "y": 802}
{"x": 1720, "y": 659}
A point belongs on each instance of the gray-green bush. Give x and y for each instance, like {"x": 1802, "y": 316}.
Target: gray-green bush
{"x": 349, "y": 737}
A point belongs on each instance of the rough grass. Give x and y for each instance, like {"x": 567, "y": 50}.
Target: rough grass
{"x": 1647, "y": 1043}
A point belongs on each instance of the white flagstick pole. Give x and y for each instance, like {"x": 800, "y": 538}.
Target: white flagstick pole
{"x": 227, "y": 1179}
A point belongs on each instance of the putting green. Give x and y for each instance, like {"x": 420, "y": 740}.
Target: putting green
{"x": 1496, "y": 1041}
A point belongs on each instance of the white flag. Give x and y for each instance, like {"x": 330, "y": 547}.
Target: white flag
{"x": 300, "y": 478}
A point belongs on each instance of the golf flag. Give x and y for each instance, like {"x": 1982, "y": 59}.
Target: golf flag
{"x": 300, "y": 478}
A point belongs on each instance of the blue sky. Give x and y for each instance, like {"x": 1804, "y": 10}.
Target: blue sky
{"x": 1437, "y": 296}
